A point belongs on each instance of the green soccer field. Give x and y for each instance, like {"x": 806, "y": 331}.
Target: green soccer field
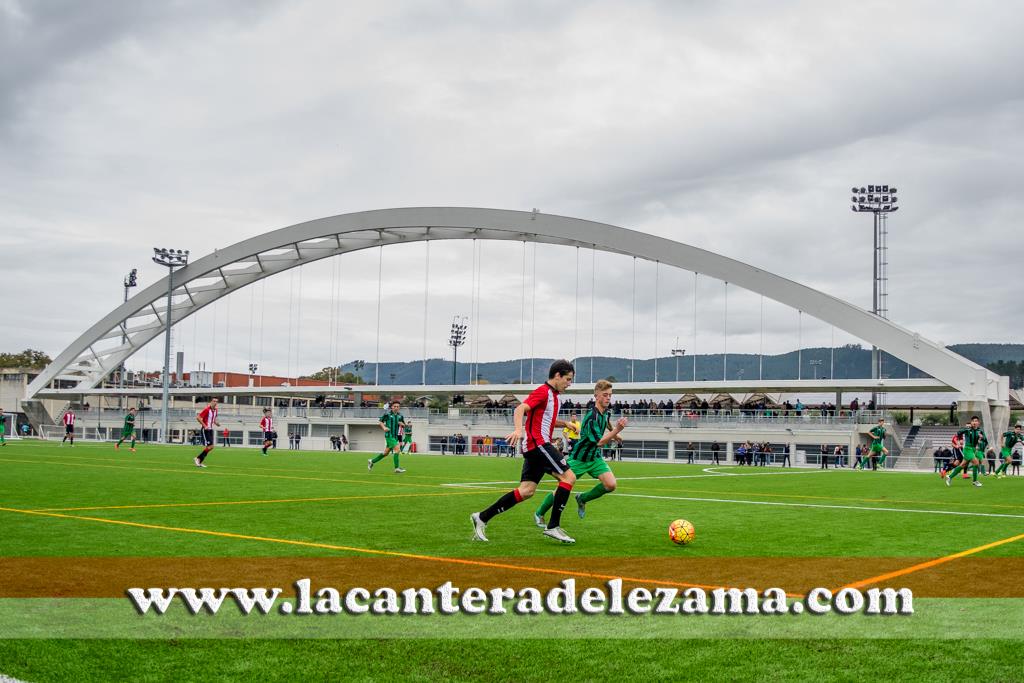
{"x": 78, "y": 526}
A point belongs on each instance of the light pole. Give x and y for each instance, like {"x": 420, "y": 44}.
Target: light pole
{"x": 130, "y": 280}
{"x": 457, "y": 339}
{"x": 814, "y": 364}
{"x": 171, "y": 259}
{"x": 678, "y": 353}
{"x": 880, "y": 201}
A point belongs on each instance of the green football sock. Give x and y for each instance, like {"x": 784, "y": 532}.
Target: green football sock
{"x": 1002, "y": 468}
{"x": 956, "y": 470}
{"x": 594, "y": 493}
{"x": 133, "y": 443}
{"x": 548, "y": 501}
{"x": 395, "y": 458}
{"x": 378, "y": 458}
{"x": 974, "y": 472}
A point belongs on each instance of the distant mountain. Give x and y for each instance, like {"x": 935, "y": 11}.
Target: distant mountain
{"x": 846, "y": 362}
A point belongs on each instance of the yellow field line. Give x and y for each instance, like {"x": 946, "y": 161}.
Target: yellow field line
{"x": 243, "y": 468}
{"x": 261, "y": 502}
{"x": 370, "y": 551}
{"x": 931, "y": 563}
{"x": 797, "y": 495}
{"x": 194, "y": 471}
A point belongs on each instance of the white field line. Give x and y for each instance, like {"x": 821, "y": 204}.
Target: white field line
{"x": 818, "y": 505}
{"x": 487, "y": 484}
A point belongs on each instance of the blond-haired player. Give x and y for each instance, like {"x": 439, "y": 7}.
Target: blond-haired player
{"x": 594, "y": 433}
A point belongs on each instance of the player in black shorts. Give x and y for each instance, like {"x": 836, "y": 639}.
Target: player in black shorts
{"x": 540, "y": 410}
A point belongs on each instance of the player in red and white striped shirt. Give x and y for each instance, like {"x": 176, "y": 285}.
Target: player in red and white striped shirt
{"x": 69, "y": 428}
{"x": 541, "y": 412}
{"x": 267, "y": 425}
{"x": 207, "y": 418}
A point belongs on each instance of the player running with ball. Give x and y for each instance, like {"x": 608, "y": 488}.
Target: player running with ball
{"x": 540, "y": 411}
{"x": 585, "y": 457}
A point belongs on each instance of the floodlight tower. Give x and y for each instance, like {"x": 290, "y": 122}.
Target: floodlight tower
{"x": 879, "y": 200}
{"x": 130, "y": 280}
{"x": 171, "y": 259}
{"x": 457, "y": 339}
{"x": 678, "y": 353}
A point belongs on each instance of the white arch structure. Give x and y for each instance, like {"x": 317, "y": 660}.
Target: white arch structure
{"x": 99, "y": 351}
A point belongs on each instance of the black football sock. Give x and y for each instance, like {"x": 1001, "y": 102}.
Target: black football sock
{"x": 506, "y": 502}
{"x": 561, "y": 498}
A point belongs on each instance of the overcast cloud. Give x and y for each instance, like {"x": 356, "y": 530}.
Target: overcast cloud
{"x": 735, "y": 127}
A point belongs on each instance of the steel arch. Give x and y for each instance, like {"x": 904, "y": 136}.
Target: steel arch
{"x": 98, "y": 351}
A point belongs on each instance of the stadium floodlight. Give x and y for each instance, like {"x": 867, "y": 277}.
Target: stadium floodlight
{"x": 170, "y": 259}
{"x": 678, "y": 353}
{"x": 879, "y": 201}
{"x": 814, "y": 364}
{"x": 456, "y": 339}
{"x": 130, "y": 280}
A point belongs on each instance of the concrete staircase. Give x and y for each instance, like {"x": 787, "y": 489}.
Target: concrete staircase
{"x": 37, "y": 415}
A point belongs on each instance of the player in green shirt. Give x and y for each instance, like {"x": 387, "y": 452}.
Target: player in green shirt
{"x": 391, "y": 423}
{"x": 128, "y": 430}
{"x": 971, "y": 437}
{"x": 407, "y": 437}
{"x": 1010, "y": 439}
{"x": 586, "y": 458}
{"x": 3, "y": 427}
{"x": 877, "y": 447}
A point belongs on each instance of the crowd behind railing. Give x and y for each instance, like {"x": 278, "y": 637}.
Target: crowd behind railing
{"x": 637, "y": 411}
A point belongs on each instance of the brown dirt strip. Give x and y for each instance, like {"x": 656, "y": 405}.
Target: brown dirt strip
{"x": 33, "y": 577}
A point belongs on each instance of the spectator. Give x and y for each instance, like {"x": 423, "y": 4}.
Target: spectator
{"x": 856, "y": 458}
{"x": 714, "y": 452}
{"x": 785, "y": 457}
{"x": 689, "y": 453}
{"x": 344, "y": 443}
{"x": 990, "y": 458}
{"x": 837, "y": 453}
{"x": 823, "y": 457}
{"x": 226, "y": 437}
{"x": 298, "y": 440}
{"x": 741, "y": 454}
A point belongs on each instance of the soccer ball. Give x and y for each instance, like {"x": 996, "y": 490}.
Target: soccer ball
{"x": 681, "y": 532}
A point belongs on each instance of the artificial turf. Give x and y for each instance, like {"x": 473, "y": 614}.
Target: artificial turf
{"x": 293, "y": 514}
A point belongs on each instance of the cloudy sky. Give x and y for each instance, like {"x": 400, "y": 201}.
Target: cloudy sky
{"x": 736, "y": 127}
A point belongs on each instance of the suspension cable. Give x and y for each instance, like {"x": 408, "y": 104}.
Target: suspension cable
{"x": 426, "y": 290}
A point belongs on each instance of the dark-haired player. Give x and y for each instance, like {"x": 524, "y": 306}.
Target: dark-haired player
{"x": 392, "y": 423}
{"x": 1010, "y": 439}
{"x": 540, "y": 456}
{"x": 267, "y": 427}
{"x": 127, "y": 431}
{"x": 69, "y": 427}
{"x": 970, "y": 436}
{"x": 207, "y": 419}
